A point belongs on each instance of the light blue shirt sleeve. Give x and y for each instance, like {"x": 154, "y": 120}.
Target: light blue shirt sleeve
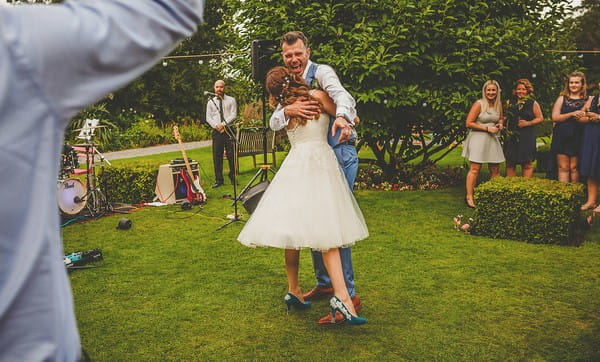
{"x": 277, "y": 120}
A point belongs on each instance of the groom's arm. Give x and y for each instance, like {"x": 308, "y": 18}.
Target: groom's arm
{"x": 345, "y": 112}
{"x": 330, "y": 83}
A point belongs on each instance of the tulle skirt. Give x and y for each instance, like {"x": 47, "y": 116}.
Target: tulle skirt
{"x": 307, "y": 205}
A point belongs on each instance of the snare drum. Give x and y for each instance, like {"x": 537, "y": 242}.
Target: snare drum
{"x": 71, "y": 196}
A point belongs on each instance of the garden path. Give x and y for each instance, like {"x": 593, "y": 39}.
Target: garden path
{"x": 153, "y": 150}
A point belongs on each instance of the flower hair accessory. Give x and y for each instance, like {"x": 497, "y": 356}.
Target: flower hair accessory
{"x": 284, "y": 87}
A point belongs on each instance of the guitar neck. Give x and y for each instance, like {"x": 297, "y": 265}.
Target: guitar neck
{"x": 185, "y": 159}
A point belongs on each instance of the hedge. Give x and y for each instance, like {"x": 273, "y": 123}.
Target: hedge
{"x": 129, "y": 185}
{"x": 529, "y": 209}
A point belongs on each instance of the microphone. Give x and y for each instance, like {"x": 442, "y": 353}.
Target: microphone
{"x": 207, "y": 93}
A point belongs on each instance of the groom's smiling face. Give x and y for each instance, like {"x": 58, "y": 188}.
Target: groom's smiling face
{"x": 295, "y": 56}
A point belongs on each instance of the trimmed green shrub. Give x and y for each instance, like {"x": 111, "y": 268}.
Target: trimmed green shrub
{"x": 129, "y": 185}
{"x": 529, "y": 209}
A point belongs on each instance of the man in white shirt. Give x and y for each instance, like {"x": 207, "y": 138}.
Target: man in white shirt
{"x": 221, "y": 111}
{"x": 296, "y": 53}
{"x": 54, "y": 61}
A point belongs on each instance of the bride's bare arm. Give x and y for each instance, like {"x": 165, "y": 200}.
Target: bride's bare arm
{"x": 328, "y": 104}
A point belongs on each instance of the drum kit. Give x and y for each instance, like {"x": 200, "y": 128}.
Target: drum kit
{"x": 73, "y": 194}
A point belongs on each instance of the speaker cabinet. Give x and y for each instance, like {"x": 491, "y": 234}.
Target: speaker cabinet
{"x": 263, "y": 58}
{"x": 170, "y": 187}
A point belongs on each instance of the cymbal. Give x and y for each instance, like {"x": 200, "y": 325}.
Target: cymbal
{"x": 91, "y": 128}
{"x": 84, "y": 145}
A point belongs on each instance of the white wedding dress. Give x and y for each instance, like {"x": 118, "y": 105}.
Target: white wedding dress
{"x": 308, "y": 203}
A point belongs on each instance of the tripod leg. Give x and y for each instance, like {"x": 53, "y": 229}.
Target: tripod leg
{"x": 259, "y": 173}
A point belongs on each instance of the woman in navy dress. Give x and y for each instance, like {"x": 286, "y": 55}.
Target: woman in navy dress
{"x": 566, "y": 136}
{"x": 590, "y": 151}
{"x": 523, "y": 114}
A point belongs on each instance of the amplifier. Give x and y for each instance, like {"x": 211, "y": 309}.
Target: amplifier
{"x": 178, "y": 164}
{"x": 170, "y": 187}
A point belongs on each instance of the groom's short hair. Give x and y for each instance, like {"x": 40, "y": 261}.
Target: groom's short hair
{"x": 291, "y": 37}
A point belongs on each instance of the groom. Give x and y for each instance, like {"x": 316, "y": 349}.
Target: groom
{"x": 295, "y": 52}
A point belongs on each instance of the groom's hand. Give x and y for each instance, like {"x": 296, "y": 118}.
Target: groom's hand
{"x": 346, "y": 130}
{"x": 307, "y": 109}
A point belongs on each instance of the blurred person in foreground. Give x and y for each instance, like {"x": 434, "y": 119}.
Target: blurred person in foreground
{"x": 54, "y": 61}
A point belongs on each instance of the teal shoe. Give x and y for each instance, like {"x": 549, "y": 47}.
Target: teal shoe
{"x": 293, "y": 301}
{"x": 337, "y": 306}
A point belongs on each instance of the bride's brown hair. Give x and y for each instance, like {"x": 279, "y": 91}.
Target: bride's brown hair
{"x": 285, "y": 88}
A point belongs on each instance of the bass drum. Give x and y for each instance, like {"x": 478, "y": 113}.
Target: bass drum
{"x": 71, "y": 196}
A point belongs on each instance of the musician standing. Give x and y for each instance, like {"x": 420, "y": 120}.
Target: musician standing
{"x": 221, "y": 111}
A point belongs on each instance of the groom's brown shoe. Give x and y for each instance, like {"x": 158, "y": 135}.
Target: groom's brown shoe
{"x": 318, "y": 293}
{"x": 339, "y": 318}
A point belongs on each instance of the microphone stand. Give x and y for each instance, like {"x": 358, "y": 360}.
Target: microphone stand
{"x": 233, "y": 139}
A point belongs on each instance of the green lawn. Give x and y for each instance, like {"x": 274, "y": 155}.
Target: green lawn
{"x": 174, "y": 288}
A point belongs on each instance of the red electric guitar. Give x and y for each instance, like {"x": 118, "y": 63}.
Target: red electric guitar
{"x": 195, "y": 191}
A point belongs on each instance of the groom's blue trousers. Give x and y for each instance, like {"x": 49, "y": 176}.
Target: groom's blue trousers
{"x": 348, "y": 160}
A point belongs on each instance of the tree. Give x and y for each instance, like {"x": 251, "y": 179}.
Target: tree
{"x": 587, "y": 37}
{"x": 416, "y": 66}
{"x": 174, "y": 87}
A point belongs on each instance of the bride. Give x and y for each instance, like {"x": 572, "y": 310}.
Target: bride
{"x": 308, "y": 203}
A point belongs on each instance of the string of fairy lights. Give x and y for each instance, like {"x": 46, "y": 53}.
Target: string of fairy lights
{"x": 200, "y": 57}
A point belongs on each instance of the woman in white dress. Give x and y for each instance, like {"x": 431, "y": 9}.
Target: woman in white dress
{"x": 484, "y": 121}
{"x": 308, "y": 203}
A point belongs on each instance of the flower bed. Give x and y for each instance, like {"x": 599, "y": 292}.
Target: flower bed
{"x": 409, "y": 177}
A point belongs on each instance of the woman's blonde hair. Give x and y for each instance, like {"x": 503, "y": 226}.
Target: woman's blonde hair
{"x": 485, "y": 107}
{"x": 583, "y": 93}
{"x": 285, "y": 88}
